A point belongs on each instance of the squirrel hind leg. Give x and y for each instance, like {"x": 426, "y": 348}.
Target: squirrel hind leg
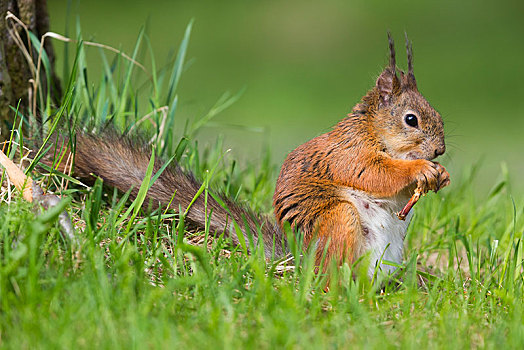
{"x": 339, "y": 236}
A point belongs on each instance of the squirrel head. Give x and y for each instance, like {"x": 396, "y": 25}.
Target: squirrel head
{"x": 401, "y": 119}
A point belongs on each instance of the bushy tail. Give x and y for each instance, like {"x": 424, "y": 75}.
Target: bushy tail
{"x": 122, "y": 163}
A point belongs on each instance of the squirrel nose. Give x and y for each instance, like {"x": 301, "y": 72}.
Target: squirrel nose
{"x": 440, "y": 151}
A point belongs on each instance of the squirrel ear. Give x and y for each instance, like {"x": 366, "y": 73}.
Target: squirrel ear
{"x": 387, "y": 86}
{"x": 387, "y": 82}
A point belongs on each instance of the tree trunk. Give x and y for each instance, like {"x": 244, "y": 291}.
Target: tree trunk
{"x": 15, "y": 71}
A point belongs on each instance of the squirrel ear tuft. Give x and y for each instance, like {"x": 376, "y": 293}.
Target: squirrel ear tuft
{"x": 408, "y": 80}
{"x": 387, "y": 82}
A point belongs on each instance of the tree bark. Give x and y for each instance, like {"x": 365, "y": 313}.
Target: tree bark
{"x": 15, "y": 71}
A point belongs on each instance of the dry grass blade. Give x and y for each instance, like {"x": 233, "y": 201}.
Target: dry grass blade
{"x": 12, "y": 21}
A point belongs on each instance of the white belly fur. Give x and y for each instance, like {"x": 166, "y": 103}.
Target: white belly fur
{"x": 379, "y": 217}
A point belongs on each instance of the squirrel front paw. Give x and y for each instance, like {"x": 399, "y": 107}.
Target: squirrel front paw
{"x": 431, "y": 176}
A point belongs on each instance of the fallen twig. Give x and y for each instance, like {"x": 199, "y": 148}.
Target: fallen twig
{"x": 407, "y": 208}
{"x": 33, "y": 193}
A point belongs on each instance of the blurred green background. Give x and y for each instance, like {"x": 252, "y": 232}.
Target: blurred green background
{"x": 304, "y": 64}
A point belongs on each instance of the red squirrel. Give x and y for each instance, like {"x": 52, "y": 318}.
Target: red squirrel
{"x": 341, "y": 190}
{"x": 345, "y": 187}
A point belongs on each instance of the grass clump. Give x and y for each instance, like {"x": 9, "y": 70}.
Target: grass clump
{"x": 140, "y": 279}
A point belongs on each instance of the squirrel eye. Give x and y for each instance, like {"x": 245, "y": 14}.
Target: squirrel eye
{"x": 411, "y": 120}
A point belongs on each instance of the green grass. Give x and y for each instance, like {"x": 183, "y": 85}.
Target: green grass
{"x": 137, "y": 279}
